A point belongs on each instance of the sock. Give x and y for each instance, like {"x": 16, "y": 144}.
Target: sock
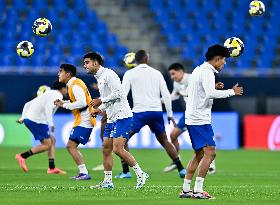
{"x": 51, "y": 164}
{"x": 187, "y": 185}
{"x": 198, "y": 186}
{"x": 125, "y": 167}
{"x": 27, "y": 154}
{"x": 83, "y": 169}
{"x": 178, "y": 163}
{"x": 108, "y": 176}
{"x": 138, "y": 170}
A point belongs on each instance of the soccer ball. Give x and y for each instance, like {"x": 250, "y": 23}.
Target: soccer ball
{"x": 235, "y": 46}
{"x": 129, "y": 60}
{"x": 42, "y": 27}
{"x": 42, "y": 89}
{"x": 25, "y": 49}
{"x": 257, "y": 8}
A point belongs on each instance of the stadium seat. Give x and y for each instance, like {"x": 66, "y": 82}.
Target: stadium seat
{"x": 63, "y": 44}
{"x": 192, "y": 26}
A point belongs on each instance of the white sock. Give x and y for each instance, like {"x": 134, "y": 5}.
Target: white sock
{"x": 198, "y": 186}
{"x": 108, "y": 176}
{"x": 138, "y": 170}
{"x": 187, "y": 185}
{"x": 83, "y": 169}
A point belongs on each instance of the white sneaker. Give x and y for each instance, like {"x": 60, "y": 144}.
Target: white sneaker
{"x": 141, "y": 180}
{"x": 103, "y": 185}
{"x": 211, "y": 170}
{"x": 99, "y": 167}
{"x": 170, "y": 168}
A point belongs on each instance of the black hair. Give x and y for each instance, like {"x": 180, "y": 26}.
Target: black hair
{"x": 69, "y": 68}
{"x": 58, "y": 85}
{"x": 140, "y": 56}
{"x": 95, "y": 56}
{"x": 216, "y": 50}
{"x": 176, "y": 66}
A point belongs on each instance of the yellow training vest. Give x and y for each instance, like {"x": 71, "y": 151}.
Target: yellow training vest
{"x": 77, "y": 112}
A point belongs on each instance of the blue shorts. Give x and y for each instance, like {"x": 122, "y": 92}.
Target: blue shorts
{"x": 181, "y": 124}
{"x": 108, "y": 130}
{"x": 80, "y": 134}
{"x": 153, "y": 119}
{"x": 120, "y": 128}
{"x": 39, "y": 131}
{"x": 201, "y": 136}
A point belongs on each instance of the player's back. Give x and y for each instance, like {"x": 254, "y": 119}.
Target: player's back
{"x": 145, "y": 85}
{"x": 37, "y": 108}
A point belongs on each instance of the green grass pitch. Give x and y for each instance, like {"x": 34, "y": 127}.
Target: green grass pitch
{"x": 243, "y": 177}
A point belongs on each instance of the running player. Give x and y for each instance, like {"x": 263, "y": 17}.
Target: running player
{"x": 201, "y": 92}
{"x": 37, "y": 116}
{"x": 80, "y": 99}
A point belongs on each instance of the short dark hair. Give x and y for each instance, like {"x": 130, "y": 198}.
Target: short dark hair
{"x": 176, "y": 66}
{"x": 216, "y": 50}
{"x": 69, "y": 68}
{"x": 140, "y": 56}
{"x": 58, "y": 85}
{"x": 95, "y": 56}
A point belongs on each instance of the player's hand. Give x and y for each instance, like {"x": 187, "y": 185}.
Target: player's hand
{"x": 95, "y": 102}
{"x": 237, "y": 89}
{"x": 95, "y": 112}
{"x": 172, "y": 120}
{"x": 19, "y": 121}
{"x": 58, "y": 103}
{"x": 219, "y": 86}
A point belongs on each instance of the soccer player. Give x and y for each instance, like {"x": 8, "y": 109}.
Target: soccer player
{"x": 147, "y": 85}
{"x": 201, "y": 92}
{"x": 80, "y": 99}
{"x": 180, "y": 85}
{"x": 114, "y": 102}
{"x": 37, "y": 116}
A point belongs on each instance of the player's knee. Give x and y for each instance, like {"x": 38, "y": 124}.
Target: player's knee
{"x": 174, "y": 137}
{"x": 47, "y": 144}
{"x": 53, "y": 141}
{"x": 210, "y": 152}
{"x": 69, "y": 147}
{"x": 106, "y": 150}
{"x": 117, "y": 150}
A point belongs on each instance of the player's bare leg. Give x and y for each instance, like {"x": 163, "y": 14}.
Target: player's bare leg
{"x": 44, "y": 146}
{"x": 209, "y": 156}
{"x": 174, "y": 140}
{"x": 21, "y": 158}
{"x": 72, "y": 148}
{"x": 107, "y": 152}
{"x": 171, "y": 151}
{"x": 191, "y": 167}
{"x": 202, "y": 160}
{"x": 118, "y": 149}
{"x": 52, "y": 169}
{"x": 100, "y": 167}
{"x": 125, "y": 174}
